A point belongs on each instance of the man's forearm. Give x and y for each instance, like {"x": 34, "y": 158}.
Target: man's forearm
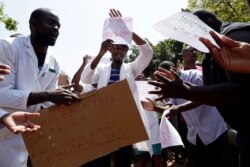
{"x": 37, "y": 97}
{"x": 218, "y": 95}
{"x": 137, "y": 39}
{"x": 188, "y": 106}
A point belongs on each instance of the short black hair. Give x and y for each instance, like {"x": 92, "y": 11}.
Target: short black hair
{"x": 38, "y": 14}
{"x": 166, "y": 65}
{"x": 204, "y": 14}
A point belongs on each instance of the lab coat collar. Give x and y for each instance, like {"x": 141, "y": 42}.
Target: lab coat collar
{"x": 33, "y": 56}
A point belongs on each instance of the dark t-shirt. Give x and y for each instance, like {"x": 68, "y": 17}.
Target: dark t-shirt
{"x": 235, "y": 116}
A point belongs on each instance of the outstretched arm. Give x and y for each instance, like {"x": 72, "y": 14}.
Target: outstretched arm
{"x": 58, "y": 96}
{"x": 175, "y": 109}
{"x": 19, "y": 121}
{"x": 77, "y": 76}
{"x": 149, "y": 105}
{"x": 225, "y": 94}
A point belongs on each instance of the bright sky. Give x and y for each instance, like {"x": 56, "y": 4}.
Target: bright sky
{"x": 82, "y": 23}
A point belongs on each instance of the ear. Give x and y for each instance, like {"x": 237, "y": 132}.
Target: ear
{"x": 33, "y": 24}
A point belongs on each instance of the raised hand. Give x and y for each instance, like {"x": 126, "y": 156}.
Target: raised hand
{"x": 19, "y": 122}
{"x": 148, "y": 105}
{"x": 107, "y": 45}
{"x": 232, "y": 55}
{"x": 169, "y": 88}
{"x": 86, "y": 58}
{"x": 115, "y": 13}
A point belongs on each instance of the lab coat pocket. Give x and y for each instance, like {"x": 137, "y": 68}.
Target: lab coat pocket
{"x": 46, "y": 79}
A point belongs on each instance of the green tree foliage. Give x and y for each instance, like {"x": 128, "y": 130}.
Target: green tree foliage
{"x": 10, "y": 24}
{"x": 164, "y": 50}
{"x": 226, "y": 10}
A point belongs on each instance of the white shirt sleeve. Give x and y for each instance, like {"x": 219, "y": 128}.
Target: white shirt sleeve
{"x": 11, "y": 97}
{"x": 143, "y": 60}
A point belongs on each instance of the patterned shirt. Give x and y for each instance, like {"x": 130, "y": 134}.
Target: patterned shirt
{"x": 115, "y": 75}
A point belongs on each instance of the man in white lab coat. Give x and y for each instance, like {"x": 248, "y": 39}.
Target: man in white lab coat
{"x": 105, "y": 74}
{"x": 31, "y": 84}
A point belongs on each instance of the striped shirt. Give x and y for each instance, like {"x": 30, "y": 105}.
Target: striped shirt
{"x": 115, "y": 75}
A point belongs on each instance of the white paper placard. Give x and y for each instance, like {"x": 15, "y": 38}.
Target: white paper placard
{"x": 185, "y": 27}
{"x": 118, "y": 29}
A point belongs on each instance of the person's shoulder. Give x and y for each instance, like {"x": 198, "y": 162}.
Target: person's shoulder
{"x": 7, "y": 40}
{"x": 192, "y": 73}
{"x": 229, "y": 27}
{"x": 10, "y": 42}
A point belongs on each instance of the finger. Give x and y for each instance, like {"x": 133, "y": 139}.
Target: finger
{"x": 158, "y": 84}
{"x": 149, "y": 100}
{"x": 162, "y": 69}
{"x": 207, "y": 43}
{"x": 174, "y": 69}
{"x": 32, "y": 127}
{"x": 175, "y": 74}
{"x": 161, "y": 73}
{"x": 119, "y": 13}
{"x": 4, "y": 71}
{"x": 229, "y": 42}
{"x": 31, "y": 115}
{"x": 68, "y": 86}
{"x": 75, "y": 97}
{"x": 167, "y": 74}
{"x": 111, "y": 13}
{"x": 155, "y": 92}
{"x": 4, "y": 66}
{"x": 17, "y": 129}
{"x": 1, "y": 78}
{"x": 142, "y": 102}
{"x": 68, "y": 100}
{"x": 160, "y": 98}
{"x": 216, "y": 38}
{"x": 116, "y": 13}
{"x": 162, "y": 78}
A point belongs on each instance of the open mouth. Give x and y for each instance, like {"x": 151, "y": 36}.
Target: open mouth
{"x": 54, "y": 35}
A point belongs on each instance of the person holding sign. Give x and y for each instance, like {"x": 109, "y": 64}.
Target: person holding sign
{"x": 106, "y": 74}
{"x": 32, "y": 82}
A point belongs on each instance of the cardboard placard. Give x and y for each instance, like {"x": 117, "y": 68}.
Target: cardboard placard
{"x": 103, "y": 121}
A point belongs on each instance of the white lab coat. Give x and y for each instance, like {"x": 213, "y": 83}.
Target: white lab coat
{"x": 129, "y": 71}
{"x": 24, "y": 78}
{"x": 204, "y": 121}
